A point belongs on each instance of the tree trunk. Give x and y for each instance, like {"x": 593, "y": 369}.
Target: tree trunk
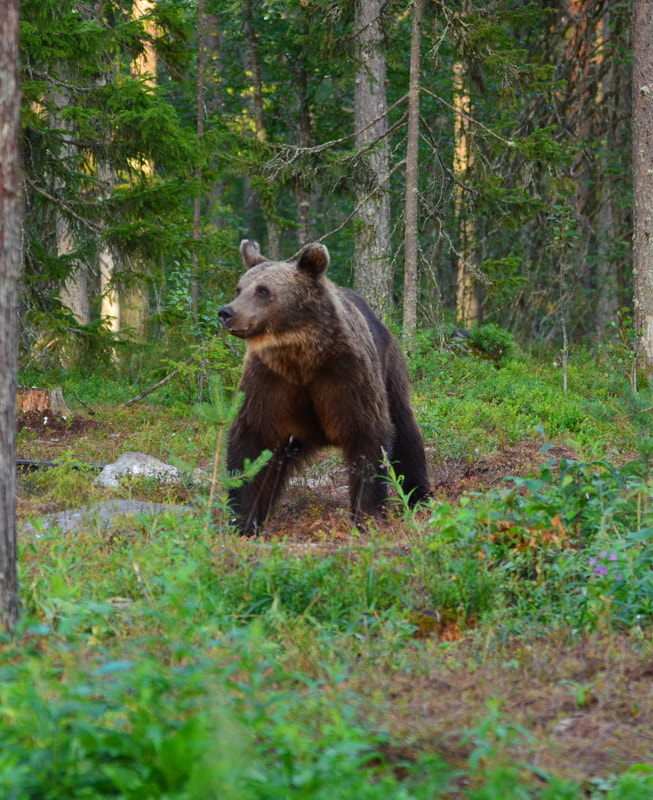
{"x": 467, "y": 307}
{"x": 608, "y": 98}
{"x": 44, "y": 401}
{"x": 372, "y": 252}
{"x": 411, "y": 277}
{"x": 254, "y": 59}
{"x": 643, "y": 176}
{"x": 303, "y": 196}
{"x": 197, "y": 203}
{"x": 74, "y": 293}
{"x": 109, "y": 305}
{"x": 10, "y": 259}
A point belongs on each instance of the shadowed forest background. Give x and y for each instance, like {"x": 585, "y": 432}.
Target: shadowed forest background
{"x": 150, "y": 151}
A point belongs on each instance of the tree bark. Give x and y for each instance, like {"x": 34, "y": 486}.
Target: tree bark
{"x": 110, "y": 306}
{"x": 373, "y": 273}
{"x": 411, "y": 292}
{"x": 467, "y": 306}
{"x": 254, "y": 59}
{"x": 303, "y": 195}
{"x": 197, "y": 203}
{"x": 10, "y": 260}
{"x": 74, "y": 293}
{"x": 642, "y": 91}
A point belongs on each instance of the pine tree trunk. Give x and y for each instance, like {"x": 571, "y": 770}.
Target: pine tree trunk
{"x": 74, "y": 293}
{"x": 611, "y": 98}
{"x": 110, "y": 307}
{"x": 10, "y": 259}
{"x": 643, "y": 176}
{"x": 411, "y": 275}
{"x": 467, "y": 306}
{"x": 303, "y": 195}
{"x": 197, "y": 203}
{"x": 372, "y": 252}
{"x": 254, "y": 59}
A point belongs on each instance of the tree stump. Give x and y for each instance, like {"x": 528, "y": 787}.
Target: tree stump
{"x": 45, "y": 401}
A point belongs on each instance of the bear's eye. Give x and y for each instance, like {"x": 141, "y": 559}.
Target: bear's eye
{"x": 237, "y": 290}
{"x": 262, "y": 291}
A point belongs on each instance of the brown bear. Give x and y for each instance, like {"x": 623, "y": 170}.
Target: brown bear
{"x": 320, "y": 370}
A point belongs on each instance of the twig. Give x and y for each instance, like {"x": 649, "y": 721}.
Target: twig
{"x": 158, "y": 385}
{"x": 318, "y": 148}
{"x": 469, "y": 118}
{"x": 362, "y": 203}
{"x": 141, "y": 580}
{"x": 95, "y": 228}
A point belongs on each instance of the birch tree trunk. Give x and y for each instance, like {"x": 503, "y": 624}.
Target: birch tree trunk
{"x": 10, "y": 260}
{"x": 643, "y": 176}
{"x": 373, "y": 274}
{"x": 411, "y": 274}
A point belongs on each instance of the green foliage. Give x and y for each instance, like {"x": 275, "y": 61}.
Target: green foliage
{"x": 496, "y": 343}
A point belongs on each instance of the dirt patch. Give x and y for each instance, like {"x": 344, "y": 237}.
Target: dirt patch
{"x": 575, "y": 709}
{"x": 49, "y": 426}
{"x": 456, "y": 476}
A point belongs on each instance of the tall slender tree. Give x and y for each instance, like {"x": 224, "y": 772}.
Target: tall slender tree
{"x": 411, "y": 245}
{"x": 256, "y": 70}
{"x": 373, "y": 266}
{"x": 10, "y": 260}
{"x": 643, "y": 176}
{"x": 467, "y": 306}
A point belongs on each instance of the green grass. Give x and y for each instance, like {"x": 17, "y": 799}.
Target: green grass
{"x": 167, "y": 658}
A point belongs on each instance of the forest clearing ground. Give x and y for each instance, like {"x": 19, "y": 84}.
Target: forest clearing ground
{"x": 583, "y": 707}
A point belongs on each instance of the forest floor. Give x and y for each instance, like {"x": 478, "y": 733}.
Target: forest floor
{"x": 584, "y": 705}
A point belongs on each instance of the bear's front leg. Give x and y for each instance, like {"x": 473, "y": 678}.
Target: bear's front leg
{"x": 252, "y": 501}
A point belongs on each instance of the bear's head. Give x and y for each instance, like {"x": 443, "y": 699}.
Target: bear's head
{"x": 276, "y": 299}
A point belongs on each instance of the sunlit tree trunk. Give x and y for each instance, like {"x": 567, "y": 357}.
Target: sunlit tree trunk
{"x": 110, "y": 307}
{"x": 411, "y": 273}
{"x": 132, "y": 299}
{"x": 467, "y": 305}
{"x": 611, "y": 98}
{"x": 10, "y": 261}
{"x": 372, "y": 252}
{"x": 643, "y": 176}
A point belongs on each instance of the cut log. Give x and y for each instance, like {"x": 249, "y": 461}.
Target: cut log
{"x": 45, "y": 401}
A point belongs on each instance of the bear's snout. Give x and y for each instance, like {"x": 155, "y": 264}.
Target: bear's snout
{"x": 225, "y": 315}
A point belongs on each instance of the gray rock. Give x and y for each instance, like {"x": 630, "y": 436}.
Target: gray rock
{"x": 101, "y": 515}
{"x": 137, "y": 464}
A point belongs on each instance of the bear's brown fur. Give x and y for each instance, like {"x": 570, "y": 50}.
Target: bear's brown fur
{"x": 320, "y": 370}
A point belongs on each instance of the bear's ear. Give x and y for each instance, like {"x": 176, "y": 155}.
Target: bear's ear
{"x": 314, "y": 259}
{"x": 251, "y": 254}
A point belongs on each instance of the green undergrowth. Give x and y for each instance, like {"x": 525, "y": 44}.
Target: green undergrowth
{"x": 174, "y": 660}
{"x": 469, "y": 405}
{"x": 167, "y": 658}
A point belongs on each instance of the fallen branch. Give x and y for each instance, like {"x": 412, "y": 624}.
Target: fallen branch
{"x": 158, "y": 385}
{"x": 31, "y": 465}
